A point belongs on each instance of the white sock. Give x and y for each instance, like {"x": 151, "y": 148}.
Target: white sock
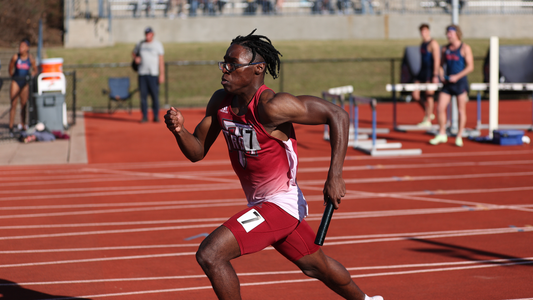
{"x": 367, "y": 298}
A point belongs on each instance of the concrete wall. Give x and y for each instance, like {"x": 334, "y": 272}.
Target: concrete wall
{"x": 84, "y": 33}
{"x": 88, "y": 33}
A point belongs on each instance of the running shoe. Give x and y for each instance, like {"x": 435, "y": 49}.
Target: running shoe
{"x": 377, "y": 298}
{"x": 459, "y": 141}
{"x": 424, "y": 123}
{"x": 439, "y": 138}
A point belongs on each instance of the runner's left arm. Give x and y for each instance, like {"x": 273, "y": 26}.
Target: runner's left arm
{"x": 312, "y": 110}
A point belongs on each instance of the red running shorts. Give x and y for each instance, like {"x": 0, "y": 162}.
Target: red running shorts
{"x": 260, "y": 226}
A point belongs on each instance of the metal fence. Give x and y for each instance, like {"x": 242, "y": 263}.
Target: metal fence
{"x": 192, "y": 8}
{"x": 191, "y": 83}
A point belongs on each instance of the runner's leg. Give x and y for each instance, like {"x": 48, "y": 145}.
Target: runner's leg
{"x": 331, "y": 273}
{"x": 444, "y": 100}
{"x": 24, "y": 94}
{"x": 461, "y": 107}
{"x": 214, "y": 255}
{"x": 14, "y": 93}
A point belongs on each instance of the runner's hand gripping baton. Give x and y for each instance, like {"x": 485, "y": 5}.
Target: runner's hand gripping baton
{"x": 324, "y": 224}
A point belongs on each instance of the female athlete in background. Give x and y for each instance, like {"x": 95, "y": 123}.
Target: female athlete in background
{"x": 21, "y": 65}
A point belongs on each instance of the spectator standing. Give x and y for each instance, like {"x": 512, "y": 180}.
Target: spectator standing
{"x": 458, "y": 59}
{"x": 21, "y": 65}
{"x": 429, "y": 73}
{"x": 149, "y": 55}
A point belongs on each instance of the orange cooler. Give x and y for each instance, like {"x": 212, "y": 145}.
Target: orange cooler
{"x": 52, "y": 65}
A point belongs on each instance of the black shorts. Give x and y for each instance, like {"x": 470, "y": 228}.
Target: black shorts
{"x": 424, "y": 76}
{"x": 456, "y": 88}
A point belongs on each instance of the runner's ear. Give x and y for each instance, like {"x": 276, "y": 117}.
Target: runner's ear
{"x": 259, "y": 69}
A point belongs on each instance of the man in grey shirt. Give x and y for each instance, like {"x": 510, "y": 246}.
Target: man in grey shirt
{"x": 149, "y": 55}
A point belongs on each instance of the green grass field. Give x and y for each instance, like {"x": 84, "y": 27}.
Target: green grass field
{"x": 192, "y": 85}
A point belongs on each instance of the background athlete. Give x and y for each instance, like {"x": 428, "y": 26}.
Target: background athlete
{"x": 257, "y": 125}
{"x": 429, "y": 73}
{"x": 458, "y": 61}
{"x": 21, "y": 65}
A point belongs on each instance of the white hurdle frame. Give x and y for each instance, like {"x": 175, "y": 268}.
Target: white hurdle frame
{"x": 374, "y": 147}
{"x": 410, "y": 87}
{"x": 452, "y": 109}
{"x": 481, "y": 87}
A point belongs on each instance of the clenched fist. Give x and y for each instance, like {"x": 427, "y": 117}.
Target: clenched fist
{"x": 174, "y": 120}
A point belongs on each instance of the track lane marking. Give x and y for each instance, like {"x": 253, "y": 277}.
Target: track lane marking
{"x": 303, "y": 280}
{"x": 236, "y": 185}
{"x": 177, "y": 277}
{"x": 376, "y": 237}
{"x": 434, "y": 236}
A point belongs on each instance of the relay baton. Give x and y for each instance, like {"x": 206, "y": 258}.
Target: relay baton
{"x": 324, "y": 224}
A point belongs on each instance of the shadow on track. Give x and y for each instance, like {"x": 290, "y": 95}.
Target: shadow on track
{"x": 465, "y": 253}
{"x": 12, "y": 291}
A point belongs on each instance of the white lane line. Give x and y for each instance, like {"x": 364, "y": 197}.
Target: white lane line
{"x": 431, "y": 236}
{"x": 209, "y": 163}
{"x": 459, "y": 202}
{"x": 231, "y": 172}
{"x": 275, "y": 273}
{"x": 377, "y": 240}
{"x": 205, "y": 174}
{"x": 308, "y": 280}
{"x": 83, "y": 180}
{"x": 123, "y": 210}
{"x": 90, "y": 260}
{"x": 360, "y": 194}
{"x": 432, "y": 233}
{"x": 180, "y": 188}
{"x": 103, "y": 224}
{"x": 376, "y": 237}
{"x": 121, "y": 204}
{"x": 100, "y": 249}
{"x": 236, "y": 185}
{"x": 312, "y": 217}
{"x": 99, "y": 232}
{"x": 184, "y": 175}
{"x": 466, "y": 191}
{"x": 419, "y": 166}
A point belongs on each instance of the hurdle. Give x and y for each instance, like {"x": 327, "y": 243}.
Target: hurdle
{"x": 337, "y": 95}
{"x": 484, "y": 87}
{"x": 410, "y": 87}
{"x": 453, "y": 119}
{"x": 375, "y": 147}
{"x": 357, "y": 140}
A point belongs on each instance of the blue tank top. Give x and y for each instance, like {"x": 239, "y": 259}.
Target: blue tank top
{"x": 455, "y": 61}
{"x": 427, "y": 58}
{"x": 22, "y": 67}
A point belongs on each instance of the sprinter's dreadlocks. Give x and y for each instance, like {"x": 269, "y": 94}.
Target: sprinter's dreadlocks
{"x": 261, "y": 45}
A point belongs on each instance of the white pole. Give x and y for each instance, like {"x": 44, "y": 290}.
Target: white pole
{"x": 454, "y": 127}
{"x": 493, "y": 84}
{"x": 455, "y": 12}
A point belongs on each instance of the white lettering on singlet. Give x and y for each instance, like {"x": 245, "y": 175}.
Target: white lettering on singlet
{"x": 241, "y": 137}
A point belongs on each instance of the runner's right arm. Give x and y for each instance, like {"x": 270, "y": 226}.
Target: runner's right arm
{"x": 196, "y": 145}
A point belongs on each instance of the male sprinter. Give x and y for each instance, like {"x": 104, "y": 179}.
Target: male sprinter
{"x": 257, "y": 125}
{"x": 429, "y": 73}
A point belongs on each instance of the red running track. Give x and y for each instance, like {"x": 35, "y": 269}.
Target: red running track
{"x": 452, "y": 223}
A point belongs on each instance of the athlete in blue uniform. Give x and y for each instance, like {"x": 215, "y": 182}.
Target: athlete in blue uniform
{"x": 429, "y": 73}
{"x": 21, "y": 65}
{"x": 458, "y": 59}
